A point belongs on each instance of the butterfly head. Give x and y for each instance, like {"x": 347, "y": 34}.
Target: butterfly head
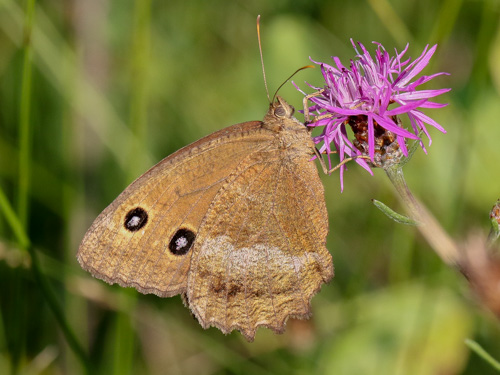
{"x": 280, "y": 116}
{"x": 281, "y": 109}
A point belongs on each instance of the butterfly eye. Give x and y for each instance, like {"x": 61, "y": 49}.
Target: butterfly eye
{"x": 135, "y": 219}
{"x": 280, "y": 111}
{"x": 182, "y": 241}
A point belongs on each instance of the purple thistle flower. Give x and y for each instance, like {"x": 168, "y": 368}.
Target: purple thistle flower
{"x": 360, "y": 96}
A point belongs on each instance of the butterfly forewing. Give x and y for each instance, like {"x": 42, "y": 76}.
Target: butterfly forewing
{"x": 173, "y": 195}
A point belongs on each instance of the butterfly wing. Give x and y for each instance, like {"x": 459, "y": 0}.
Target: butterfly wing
{"x": 260, "y": 254}
{"x": 143, "y": 238}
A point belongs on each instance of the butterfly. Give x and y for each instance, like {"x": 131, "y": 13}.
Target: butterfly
{"x": 236, "y": 223}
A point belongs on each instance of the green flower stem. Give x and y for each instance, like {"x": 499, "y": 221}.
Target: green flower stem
{"x": 435, "y": 235}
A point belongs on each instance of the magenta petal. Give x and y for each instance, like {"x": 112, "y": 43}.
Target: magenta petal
{"x": 402, "y": 145}
{"x": 391, "y": 126}
{"x": 347, "y": 112}
{"x": 433, "y": 105}
{"x": 404, "y": 108}
{"x": 425, "y": 79}
{"x": 414, "y": 95}
{"x": 418, "y": 125}
{"x": 419, "y": 64}
{"x": 419, "y": 115}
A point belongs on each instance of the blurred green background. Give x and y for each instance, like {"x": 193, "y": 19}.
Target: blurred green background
{"x": 104, "y": 89}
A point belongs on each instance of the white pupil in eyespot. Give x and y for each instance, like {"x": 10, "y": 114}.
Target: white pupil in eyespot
{"x": 134, "y": 221}
{"x": 180, "y": 243}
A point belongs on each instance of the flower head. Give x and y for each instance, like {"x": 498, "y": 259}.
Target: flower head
{"x": 370, "y": 96}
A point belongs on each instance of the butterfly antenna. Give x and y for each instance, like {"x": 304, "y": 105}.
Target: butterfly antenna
{"x": 262, "y": 58}
{"x": 289, "y": 78}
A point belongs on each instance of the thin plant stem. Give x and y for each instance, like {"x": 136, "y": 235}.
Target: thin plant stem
{"x": 478, "y": 349}
{"x": 24, "y": 118}
{"x": 435, "y": 235}
{"x": 24, "y": 173}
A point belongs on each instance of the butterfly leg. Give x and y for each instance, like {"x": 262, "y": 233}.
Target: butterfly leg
{"x": 306, "y": 108}
{"x": 345, "y": 161}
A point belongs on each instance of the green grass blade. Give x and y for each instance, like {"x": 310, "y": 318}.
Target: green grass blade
{"x": 24, "y": 117}
{"x": 478, "y": 349}
{"x": 13, "y": 221}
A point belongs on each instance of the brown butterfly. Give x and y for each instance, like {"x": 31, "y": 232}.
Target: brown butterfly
{"x": 236, "y": 223}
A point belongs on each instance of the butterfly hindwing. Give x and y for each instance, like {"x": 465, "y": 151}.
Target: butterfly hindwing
{"x": 261, "y": 253}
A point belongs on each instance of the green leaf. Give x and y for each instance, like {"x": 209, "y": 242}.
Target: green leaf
{"x": 401, "y": 219}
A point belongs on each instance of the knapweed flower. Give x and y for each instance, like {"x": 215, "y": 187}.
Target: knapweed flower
{"x": 370, "y": 97}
